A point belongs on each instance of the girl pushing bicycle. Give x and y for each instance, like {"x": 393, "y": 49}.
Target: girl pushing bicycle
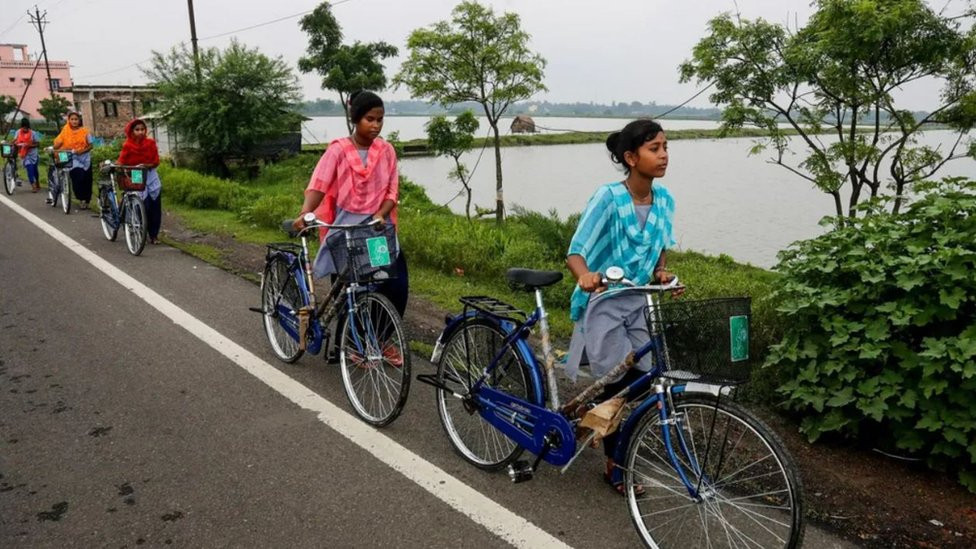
{"x": 356, "y": 181}
{"x": 140, "y": 150}
{"x": 627, "y": 224}
{"x": 27, "y": 141}
{"x": 75, "y": 137}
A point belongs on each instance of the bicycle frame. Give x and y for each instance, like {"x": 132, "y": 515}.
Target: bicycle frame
{"x": 547, "y": 430}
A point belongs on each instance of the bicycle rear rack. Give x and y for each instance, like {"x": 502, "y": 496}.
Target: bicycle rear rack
{"x": 495, "y": 308}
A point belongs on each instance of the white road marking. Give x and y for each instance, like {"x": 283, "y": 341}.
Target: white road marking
{"x": 468, "y": 501}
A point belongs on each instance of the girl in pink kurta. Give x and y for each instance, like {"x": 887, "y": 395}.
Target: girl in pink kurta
{"x": 356, "y": 180}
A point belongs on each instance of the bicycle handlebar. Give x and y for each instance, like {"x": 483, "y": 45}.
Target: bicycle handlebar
{"x": 312, "y": 222}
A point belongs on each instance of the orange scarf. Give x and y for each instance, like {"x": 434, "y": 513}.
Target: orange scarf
{"x": 73, "y": 138}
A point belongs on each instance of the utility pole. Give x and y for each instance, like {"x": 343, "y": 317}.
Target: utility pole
{"x": 38, "y": 20}
{"x": 193, "y": 39}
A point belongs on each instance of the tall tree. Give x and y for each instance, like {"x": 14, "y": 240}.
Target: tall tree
{"x": 54, "y": 108}
{"x": 453, "y": 139}
{"x": 242, "y": 98}
{"x": 474, "y": 57}
{"x": 344, "y": 68}
{"x": 839, "y": 73}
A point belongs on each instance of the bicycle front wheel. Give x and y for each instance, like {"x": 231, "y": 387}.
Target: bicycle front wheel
{"x": 9, "y": 177}
{"x": 109, "y": 227}
{"x": 53, "y": 189}
{"x": 466, "y": 355}
{"x": 279, "y": 291}
{"x": 65, "y": 191}
{"x": 375, "y": 360}
{"x": 749, "y": 494}
{"x": 134, "y": 219}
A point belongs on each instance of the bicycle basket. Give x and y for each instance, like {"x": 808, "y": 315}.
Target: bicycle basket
{"x": 364, "y": 253}
{"x": 132, "y": 180}
{"x": 8, "y": 151}
{"x": 706, "y": 340}
{"x": 62, "y": 159}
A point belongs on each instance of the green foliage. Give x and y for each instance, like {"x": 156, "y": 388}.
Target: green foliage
{"x": 54, "y": 108}
{"x": 7, "y": 105}
{"x": 451, "y": 62}
{"x": 241, "y": 99}
{"x": 344, "y": 68}
{"x": 838, "y": 73}
{"x": 454, "y": 138}
{"x": 880, "y": 328}
{"x": 202, "y": 191}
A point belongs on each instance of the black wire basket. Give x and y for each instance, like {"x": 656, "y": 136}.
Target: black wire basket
{"x": 706, "y": 340}
{"x": 62, "y": 159}
{"x": 8, "y": 150}
{"x": 364, "y": 254}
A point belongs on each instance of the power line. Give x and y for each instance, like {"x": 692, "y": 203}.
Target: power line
{"x": 689, "y": 100}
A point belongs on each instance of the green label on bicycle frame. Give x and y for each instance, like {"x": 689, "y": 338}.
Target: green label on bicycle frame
{"x": 379, "y": 251}
{"x": 136, "y": 176}
{"x": 62, "y": 156}
{"x": 739, "y": 337}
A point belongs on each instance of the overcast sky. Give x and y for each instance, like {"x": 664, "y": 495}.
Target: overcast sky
{"x": 611, "y": 50}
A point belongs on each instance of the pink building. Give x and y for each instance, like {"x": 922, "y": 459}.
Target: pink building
{"x": 16, "y": 66}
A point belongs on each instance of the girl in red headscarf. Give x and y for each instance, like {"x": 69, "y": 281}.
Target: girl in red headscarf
{"x": 140, "y": 150}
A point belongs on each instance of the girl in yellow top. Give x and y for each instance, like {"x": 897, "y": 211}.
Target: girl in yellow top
{"x": 75, "y": 137}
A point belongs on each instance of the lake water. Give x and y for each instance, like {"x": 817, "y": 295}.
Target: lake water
{"x": 727, "y": 202}
{"x": 322, "y": 129}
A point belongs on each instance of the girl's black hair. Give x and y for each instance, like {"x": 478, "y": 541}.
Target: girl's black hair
{"x": 630, "y": 138}
{"x": 24, "y": 122}
{"x": 362, "y": 102}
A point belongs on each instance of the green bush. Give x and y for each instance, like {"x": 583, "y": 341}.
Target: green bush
{"x": 202, "y": 191}
{"x": 270, "y": 210}
{"x": 880, "y": 329}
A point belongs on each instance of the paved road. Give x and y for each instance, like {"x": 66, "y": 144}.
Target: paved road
{"x": 119, "y": 426}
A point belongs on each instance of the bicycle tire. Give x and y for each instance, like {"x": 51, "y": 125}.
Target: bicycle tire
{"x": 375, "y": 360}
{"x": 53, "y": 189}
{"x": 466, "y": 354}
{"x": 65, "y": 194}
{"x": 752, "y": 494}
{"x": 134, "y": 220}
{"x": 9, "y": 176}
{"x": 274, "y": 290}
{"x": 110, "y": 230}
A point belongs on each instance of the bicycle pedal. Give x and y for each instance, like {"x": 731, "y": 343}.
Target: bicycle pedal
{"x": 520, "y": 471}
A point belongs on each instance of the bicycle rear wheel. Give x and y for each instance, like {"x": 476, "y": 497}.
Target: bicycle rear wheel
{"x": 134, "y": 219}
{"x": 279, "y": 291}
{"x": 65, "y": 194}
{"x": 375, "y": 360}
{"x": 750, "y": 495}
{"x": 107, "y": 216}
{"x": 466, "y": 354}
{"x": 9, "y": 176}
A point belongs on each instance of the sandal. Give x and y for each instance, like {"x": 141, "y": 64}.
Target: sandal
{"x": 619, "y": 486}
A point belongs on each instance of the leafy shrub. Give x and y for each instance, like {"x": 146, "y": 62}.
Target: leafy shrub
{"x": 880, "y": 329}
{"x": 202, "y": 191}
{"x": 270, "y": 210}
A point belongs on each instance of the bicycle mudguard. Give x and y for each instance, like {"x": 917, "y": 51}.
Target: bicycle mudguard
{"x": 528, "y": 425}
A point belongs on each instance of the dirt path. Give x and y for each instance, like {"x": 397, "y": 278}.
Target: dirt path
{"x": 869, "y": 499}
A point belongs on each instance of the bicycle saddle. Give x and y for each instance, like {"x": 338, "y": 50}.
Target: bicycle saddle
{"x": 530, "y": 280}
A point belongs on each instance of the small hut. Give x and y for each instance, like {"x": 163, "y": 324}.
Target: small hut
{"x": 523, "y": 124}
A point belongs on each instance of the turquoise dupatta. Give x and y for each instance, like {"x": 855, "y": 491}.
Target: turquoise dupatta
{"x": 609, "y": 235}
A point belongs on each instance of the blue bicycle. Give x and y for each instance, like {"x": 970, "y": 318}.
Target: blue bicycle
{"x": 372, "y": 348}
{"x": 120, "y": 205}
{"x": 698, "y": 470}
{"x": 8, "y": 152}
{"x": 58, "y": 179}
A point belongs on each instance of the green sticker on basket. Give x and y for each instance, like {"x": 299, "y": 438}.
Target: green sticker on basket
{"x": 7, "y": 150}
{"x": 136, "y": 176}
{"x": 379, "y": 251}
{"x": 63, "y": 156}
{"x": 739, "y": 337}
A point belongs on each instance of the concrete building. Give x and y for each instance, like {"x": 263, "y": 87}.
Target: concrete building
{"x": 18, "y": 74}
{"x": 107, "y": 109}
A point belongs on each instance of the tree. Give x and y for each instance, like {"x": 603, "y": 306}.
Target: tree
{"x": 242, "y": 98}
{"x": 446, "y": 138}
{"x": 474, "y": 57}
{"x": 7, "y": 106}
{"x": 838, "y": 73}
{"x": 344, "y": 68}
{"x": 54, "y": 108}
